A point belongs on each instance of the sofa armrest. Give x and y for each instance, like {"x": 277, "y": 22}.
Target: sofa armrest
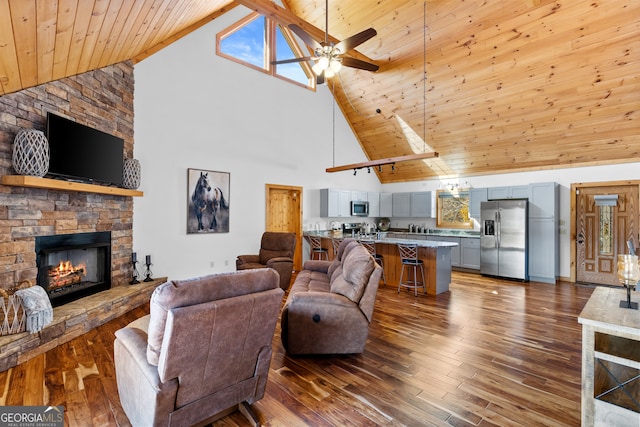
{"x": 279, "y": 259}
{"x": 245, "y": 259}
{"x": 134, "y": 343}
{"x": 317, "y": 265}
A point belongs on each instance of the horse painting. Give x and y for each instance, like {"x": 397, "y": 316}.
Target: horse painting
{"x": 206, "y": 202}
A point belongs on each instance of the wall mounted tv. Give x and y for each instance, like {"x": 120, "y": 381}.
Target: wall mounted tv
{"x": 81, "y": 153}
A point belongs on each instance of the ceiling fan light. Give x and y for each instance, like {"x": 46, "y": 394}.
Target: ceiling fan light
{"x": 335, "y": 65}
{"x": 316, "y": 69}
{"x": 328, "y": 73}
{"x": 323, "y": 63}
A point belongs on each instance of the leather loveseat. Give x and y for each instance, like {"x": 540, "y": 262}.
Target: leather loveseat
{"x": 330, "y": 304}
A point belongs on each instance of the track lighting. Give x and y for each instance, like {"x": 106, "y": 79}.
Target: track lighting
{"x": 355, "y": 171}
{"x": 393, "y": 167}
{"x": 379, "y": 168}
{"x": 368, "y": 170}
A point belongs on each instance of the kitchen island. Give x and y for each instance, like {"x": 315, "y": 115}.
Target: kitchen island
{"x": 435, "y": 255}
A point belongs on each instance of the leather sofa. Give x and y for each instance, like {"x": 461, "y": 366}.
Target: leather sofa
{"x": 276, "y": 251}
{"x": 202, "y": 352}
{"x": 330, "y": 304}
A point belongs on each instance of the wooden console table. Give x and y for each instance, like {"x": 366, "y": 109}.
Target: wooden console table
{"x": 610, "y": 360}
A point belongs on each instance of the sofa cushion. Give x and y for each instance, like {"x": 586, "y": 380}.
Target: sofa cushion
{"x": 183, "y": 293}
{"x": 357, "y": 266}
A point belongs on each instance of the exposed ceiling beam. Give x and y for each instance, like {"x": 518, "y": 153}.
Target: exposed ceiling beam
{"x": 285, "y": 18}
{"x": 387, "y": 161}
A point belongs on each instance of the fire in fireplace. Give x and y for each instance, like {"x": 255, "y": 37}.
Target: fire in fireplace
{"x": 71, "y": 266}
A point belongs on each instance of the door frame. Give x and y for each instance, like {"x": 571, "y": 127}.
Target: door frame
{"x": 298, "y": 251}
{"x": 573, "y": 271}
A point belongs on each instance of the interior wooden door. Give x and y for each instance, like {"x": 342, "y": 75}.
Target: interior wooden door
{"x": 284, "y": 213}
{"x": 603, "y": 229}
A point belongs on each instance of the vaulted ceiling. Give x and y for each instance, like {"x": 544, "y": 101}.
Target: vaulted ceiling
{"x": 491, "y": 86}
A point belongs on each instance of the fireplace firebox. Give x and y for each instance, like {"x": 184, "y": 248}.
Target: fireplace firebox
{"x": 72, "y": 266}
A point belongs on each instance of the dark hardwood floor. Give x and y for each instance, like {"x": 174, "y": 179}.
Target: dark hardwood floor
{"x": 488, "y": 353}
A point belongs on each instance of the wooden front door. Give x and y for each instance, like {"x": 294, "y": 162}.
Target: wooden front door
{"x": 284, "y": 213}
{"x": 603, "y": 228}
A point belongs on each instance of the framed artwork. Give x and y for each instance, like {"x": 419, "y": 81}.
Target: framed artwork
{"x": 207, "y": 201}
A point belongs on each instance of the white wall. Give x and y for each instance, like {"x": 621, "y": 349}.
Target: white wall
{"x": 194, "y": 109}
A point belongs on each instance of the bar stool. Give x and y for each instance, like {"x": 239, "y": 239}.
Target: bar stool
{"x": 370, "y": 246}
{"x": 409, "y": 258}
{"x": 315, "y": 248}
{"x": 336, "y": 245}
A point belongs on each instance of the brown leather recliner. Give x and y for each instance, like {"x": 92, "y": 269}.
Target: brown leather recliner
{"x": 276, "y": 251}
{"x": 202, "y": 352}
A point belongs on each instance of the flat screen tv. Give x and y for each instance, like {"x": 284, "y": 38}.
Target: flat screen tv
{"x": 81, "y": 153}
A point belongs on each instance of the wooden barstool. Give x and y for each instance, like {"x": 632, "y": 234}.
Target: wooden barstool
{"x": 336, "y": 245}
{"x": 409, "y": 258}
{"x": 315, "y": 248}
{"x": 370, "y": 246}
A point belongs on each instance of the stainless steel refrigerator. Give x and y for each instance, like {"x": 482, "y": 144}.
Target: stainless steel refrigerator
{"x": 503, "y": 238}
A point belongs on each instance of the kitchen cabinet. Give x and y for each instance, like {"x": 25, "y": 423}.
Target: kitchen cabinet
{"x": 421, "y": 204}
{"x": 335, "y": 203}
{"x": 455, "y": 251}
{"x": 386, "y": 205}
{"x": 358, "y": 196}
{"x": 512, "y": 192}
{"x": 470, "y": 253}
{"x": 374, "y": 204}
{"x": 476, "y": 196}
{"x": 543, "y": 232}
{"x": 543, "y": 200}
{"x": 401, "y": 205}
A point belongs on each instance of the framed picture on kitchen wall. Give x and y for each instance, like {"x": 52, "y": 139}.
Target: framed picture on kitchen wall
{"x": 207, "y": 201}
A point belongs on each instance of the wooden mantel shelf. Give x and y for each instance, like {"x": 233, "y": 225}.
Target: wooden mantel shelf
{"x": 56, "y": 184}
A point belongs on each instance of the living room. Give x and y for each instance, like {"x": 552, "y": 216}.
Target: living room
{"x": 194, "y": 109}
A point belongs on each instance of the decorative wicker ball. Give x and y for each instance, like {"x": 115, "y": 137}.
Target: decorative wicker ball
{"x": 31, "y": 153}
{"x": 131, "y": 174}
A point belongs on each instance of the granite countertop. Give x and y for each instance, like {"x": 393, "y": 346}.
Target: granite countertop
{"x": 421, "y": 243}
{"x": 442, "y": 232}
{"x": 388, "y": 239}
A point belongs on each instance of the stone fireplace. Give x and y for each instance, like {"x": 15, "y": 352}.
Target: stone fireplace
{"x": 71, "y": 266}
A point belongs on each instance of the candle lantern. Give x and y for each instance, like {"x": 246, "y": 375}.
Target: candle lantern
{"x": 628, "y": 275}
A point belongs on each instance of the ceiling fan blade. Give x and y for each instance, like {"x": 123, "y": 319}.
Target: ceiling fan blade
{"x": 350, "y": 42}
{"x": 288, "y": 61}
{"x": 320, "y": 79}
{"x": 347, "y": 61}
{"x": 306, "y": 38}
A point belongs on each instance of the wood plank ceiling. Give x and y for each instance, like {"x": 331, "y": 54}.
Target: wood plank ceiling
{"x": 510, "y": 85}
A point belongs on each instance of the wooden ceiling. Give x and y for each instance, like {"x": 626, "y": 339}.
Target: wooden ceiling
{"x": 510, "y": 85}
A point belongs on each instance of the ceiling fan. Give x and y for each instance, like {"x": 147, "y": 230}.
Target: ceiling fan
{"x": 329, "y": 57}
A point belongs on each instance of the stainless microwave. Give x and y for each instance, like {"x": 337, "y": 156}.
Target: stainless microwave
{"x": 359, "y": 208}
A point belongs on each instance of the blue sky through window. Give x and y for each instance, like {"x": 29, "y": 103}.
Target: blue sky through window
{"x": 247, "y": 44}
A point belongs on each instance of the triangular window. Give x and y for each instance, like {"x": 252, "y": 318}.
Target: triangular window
{"x": 256, "y": 41}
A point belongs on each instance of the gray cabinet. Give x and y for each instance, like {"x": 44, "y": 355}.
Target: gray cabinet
{"x": 544, "y": 247}
{"x": 358, "y": 196}
{"x": 335, "y": 203}
{"x": 386, "y": 205}
{"x": 374, "y": 204}
{"x": 512, "y": 192}
{"x": 543, "y": 201}
{"x": 470, "y": 253}
{"x": 455, "y": 251}
{"x": 543, "y": 253}
{"x": 476, "y": 196}
{"x": 401, "y": 205}
{"x": 421, "y": 204}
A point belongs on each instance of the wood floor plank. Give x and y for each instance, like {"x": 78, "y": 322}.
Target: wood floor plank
{"x": 488, "y": 353}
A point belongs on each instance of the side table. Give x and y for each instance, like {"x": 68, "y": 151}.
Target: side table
{"x": 610, "y": 360}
